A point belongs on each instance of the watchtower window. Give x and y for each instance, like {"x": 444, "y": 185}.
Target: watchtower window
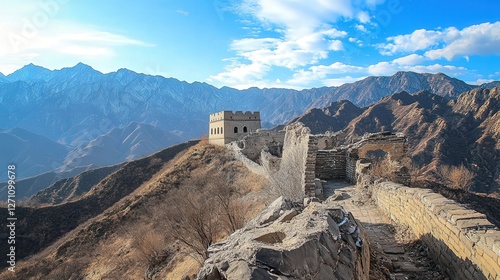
{"x": 245, "y": 129}
{"x": 211, "y": 131}
{"x": 217, "y": 130}
{"x": 235, "y": 129}
{"x": 221, "y": 130}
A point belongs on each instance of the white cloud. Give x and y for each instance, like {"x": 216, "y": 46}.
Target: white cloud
{"x": 361, "y": 28}
{"x": 336, "y": 45}
{"x": 182, "y": 12}
{"x": 304, "y": 34}
{"x": 418, "y": 40}
{"x": 481, "y": 39}
{"x": 33, "y": 30}
{"x": 363, "y": 17}
{"x": 299, "y": 18}
{"x": 411, "y": 59}
{"x": 335, "y": 82}
{"x": 385, "y": 68}
{"x": 241, "y": 75}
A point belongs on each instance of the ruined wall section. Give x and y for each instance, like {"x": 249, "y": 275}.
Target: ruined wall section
{"x": 252, "y": 144}
{"x": 393, "y": 144}
{"x": 331, "y": 164}
{"x": 298, "y": 160}
{"x": 461, "y": 240}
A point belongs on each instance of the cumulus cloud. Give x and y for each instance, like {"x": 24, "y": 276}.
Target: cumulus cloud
{"x": 480, "y": 39}
{"x": 361, "y": 28}
{"x": 420, "y": 39}
{"x": 34, "y": 30}
{"x": 304, "y": 33}
{"x": 338, "y": 73}
{"x": 411, "y": 59}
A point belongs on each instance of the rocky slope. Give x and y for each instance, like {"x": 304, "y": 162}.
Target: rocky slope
{"x": 319, "y": 241}
{"x": 119, "y": 227}
{"x": 47, "y": 224}
{"x": 33, "y": 153}
{"x": 70, "y": 189}
{"x": 440, "y": 131}
{"x": 372, "y": 89}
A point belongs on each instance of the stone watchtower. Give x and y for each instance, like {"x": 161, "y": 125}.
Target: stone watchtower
{"x": 226, "y": 126}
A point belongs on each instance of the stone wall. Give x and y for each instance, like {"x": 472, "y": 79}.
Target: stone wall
{"x": 331, "y": 164}
{"x": 228, "y": 126}
{"x": 297, "y": 157}
{"x": 393, "y": 144}
{"x": 463, "y": 241}
{"x": 252, "y": 144}
{"x": 350, "y": 166}
{"x": 287, "y": 241}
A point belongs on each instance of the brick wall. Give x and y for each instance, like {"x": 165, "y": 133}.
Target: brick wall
{"x": 330, "y": 164}
{"x": 463, "y": 241}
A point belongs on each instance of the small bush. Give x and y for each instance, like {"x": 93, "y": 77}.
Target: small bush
{"x": 456, "y": 177}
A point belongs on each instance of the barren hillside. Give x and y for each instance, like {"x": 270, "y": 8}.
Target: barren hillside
{"x": 440, "y": 131}
{"x": 133, "y": 235}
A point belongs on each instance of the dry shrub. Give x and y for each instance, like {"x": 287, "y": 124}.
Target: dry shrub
{"x": 204, "y": 211}
{"x": 385, "y": 169}
{"x": 151, "y": 246}
{"x": 456, "y": 177}
{"x": 417, "y": 174}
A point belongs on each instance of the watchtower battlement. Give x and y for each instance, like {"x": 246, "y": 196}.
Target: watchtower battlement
{"x": 227, "y": 126}
{"x": 237, "y": 116}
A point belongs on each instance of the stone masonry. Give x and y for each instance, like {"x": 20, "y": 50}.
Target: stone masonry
{"x": 228, "y": 126}
{"x": 463, "y": 241}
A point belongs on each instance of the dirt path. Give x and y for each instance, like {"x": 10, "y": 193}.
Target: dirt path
{"x": 396, "y": 253}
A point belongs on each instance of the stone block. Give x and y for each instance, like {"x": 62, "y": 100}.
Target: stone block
{"x": 440, "y": 203}
{"x": 474, "y": 224}
{"x": 428, "y": 198}
{"x": 468, "y": 216}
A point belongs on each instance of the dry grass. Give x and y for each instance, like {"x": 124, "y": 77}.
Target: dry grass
{"x": 137, "y": 234}
{"x": 186, "y": 266}
{"x": 456, "y": 177}
{"x": 385, "y": 169}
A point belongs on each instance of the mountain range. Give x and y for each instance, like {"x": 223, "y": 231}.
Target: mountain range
{"x": 35, "y": 154}
{"x": 465, "y": 130}
{"x": 97, "y": 117}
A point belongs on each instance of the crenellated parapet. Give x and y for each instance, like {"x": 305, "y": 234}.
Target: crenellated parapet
{"x": 228, "y": 126}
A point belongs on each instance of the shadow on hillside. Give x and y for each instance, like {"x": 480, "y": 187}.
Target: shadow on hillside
{"x": 37, "y": 228}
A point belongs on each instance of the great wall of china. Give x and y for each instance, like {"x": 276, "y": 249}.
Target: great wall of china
{"x": 462, "y": 241}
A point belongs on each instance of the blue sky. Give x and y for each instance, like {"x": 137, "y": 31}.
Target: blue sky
{"x": 263, "y": 43}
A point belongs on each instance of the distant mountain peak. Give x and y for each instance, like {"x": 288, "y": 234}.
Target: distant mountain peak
{"x": 81, "y": 65}
{"x": 30, "y": 72}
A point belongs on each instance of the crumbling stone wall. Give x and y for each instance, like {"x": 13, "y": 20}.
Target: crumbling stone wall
{"x": 463, "y": 241}
{"x": 331, "y": 164}
{"x": 392, "y": 144}
{"x": 298, "y": 159}
{"x": 252, "y": 144}
{"x": 288, "y": 241}
{"x": 350, "y": 166}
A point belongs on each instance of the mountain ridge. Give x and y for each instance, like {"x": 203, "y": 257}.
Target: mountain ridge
{"x": 440, "y": 131}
